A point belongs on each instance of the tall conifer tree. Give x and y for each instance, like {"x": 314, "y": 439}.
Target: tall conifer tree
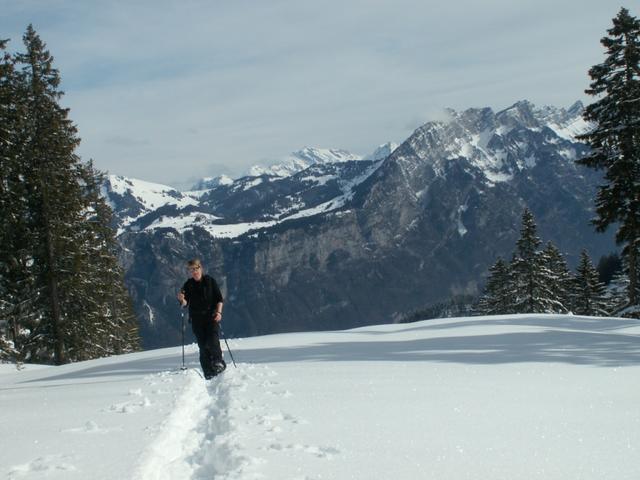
{"x": 615, "y": 138}
{"x": 18, "y": 289}
{"x": 53, "y": 190}
{"x": 68, "y": 300}
{"x": 7, "y": 162}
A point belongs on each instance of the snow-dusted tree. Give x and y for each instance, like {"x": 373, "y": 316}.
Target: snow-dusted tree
{"x": 18, "y": 289}
{"x": 50, "y": 171}
{"x": 589, "y": 297}
{"x": 109, "y": 324}
{"x": 6, "y": 77}
{"x": 531, "y": 293}
{"x": 615, "y": 138}
{"x": 558, "y": 279}
{"x": 498, "y": 292}
{"x": 617, "y": 292}
{"x": 71, "y": 283}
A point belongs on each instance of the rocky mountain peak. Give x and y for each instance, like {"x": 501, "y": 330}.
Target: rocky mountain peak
{"x": 576, "y": 109}
{"x": 383, "y": 151}
{"x": 520, "y": 114}
{"x": 323, "y": 155}
{"x": 207, "y": 183}
{"x": 496, "y": 145}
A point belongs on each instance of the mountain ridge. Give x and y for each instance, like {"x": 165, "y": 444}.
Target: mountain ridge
{"x": 340, "y": 242}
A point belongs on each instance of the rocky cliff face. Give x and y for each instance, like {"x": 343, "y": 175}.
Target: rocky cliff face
{"x": 344, "y": 244}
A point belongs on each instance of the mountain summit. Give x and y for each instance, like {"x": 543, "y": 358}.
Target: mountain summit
{"x": 303, "y": 159}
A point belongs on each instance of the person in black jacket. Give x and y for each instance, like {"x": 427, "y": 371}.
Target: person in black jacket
{"x": 202, "y": 295}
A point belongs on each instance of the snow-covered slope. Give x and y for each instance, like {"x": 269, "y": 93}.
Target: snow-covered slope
{"x": 311, "y": 181}
{"x": 231, "y": 208}
{"x": 318, "y": 189}
{"x": 530, "y": 397}
{"x": 131, "y": 198}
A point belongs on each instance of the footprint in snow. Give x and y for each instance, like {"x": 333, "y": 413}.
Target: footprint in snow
{"x": 129, "y": 407}
{"x": 269, "y": 383}
{"x": 317, "y": 451}
{"x": 91, "y": 427}
{"x": 281, "y": 394}
{"x": 269, "y": 419}
{"x": 43, "y": 465}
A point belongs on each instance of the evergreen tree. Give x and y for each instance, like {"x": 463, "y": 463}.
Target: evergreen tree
{"x": 6, "y": 127}
{"x": 109, "y": 315}
{"x": 590, "y": 293}
{"x": 531, "y": 294}
{"x": 18, "y": 290}
{"x": 53, "y": 190}
{"x": 618, "y": 292}
{"x": 497, "y": 298}
{"x": 558, "y": 279}
{"x": 615, "y": 138}
{"x": 65, "y": 295}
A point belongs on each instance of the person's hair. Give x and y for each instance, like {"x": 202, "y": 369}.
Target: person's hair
{"x": 194, "y": 263}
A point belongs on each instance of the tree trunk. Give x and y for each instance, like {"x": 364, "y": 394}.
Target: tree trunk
{"x": 52, "y": 281}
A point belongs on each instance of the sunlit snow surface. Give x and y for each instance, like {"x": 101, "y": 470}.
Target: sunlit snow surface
{"x": 521, "y": 397}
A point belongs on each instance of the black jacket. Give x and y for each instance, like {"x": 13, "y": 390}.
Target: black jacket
{"x": 202, "y": 297}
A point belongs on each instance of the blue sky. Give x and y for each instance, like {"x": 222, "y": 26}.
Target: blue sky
{"x": 170, "y": 91}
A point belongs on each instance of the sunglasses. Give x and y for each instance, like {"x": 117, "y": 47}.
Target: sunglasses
{"x": 193, "y": 269}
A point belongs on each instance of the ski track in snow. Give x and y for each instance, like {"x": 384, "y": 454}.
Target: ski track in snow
{"x": 215, "y": 422}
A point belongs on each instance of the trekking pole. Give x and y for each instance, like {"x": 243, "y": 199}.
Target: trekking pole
{"x": 183, "y": 367}
{"x": 227, "y": 343}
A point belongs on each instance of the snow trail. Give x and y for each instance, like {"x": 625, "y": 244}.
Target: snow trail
{"x": 219, "y": 430}
{"x": 178, "y": 439}
{"x": 202, "y": 437}
{"x": 217, "y": 455}
{"x": 234, "y": 423}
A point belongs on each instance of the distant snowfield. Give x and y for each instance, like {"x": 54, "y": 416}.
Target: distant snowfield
{"x": 512, "y": 397}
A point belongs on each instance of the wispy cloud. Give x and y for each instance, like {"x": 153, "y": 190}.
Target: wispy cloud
{"x": 171, "y": 90}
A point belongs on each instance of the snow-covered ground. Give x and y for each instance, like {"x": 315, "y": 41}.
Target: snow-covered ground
{"x": 519, "y": 397}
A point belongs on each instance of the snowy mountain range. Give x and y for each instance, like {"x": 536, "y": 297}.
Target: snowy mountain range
{"x": 309, "y": 182}
{"x": 346, "y": 241}
{"x": 303, "y": 159}
{"x": 296, "y": 162}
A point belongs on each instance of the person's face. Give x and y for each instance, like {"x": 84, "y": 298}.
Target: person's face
{"x": 196, "y": 273}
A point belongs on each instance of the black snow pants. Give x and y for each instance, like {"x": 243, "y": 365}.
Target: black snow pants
{"x": 207, "y": 333}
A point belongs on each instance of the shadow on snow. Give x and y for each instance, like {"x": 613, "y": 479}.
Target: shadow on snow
{"x": 561, "y": 339}
{"x": 564, "y": 339}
